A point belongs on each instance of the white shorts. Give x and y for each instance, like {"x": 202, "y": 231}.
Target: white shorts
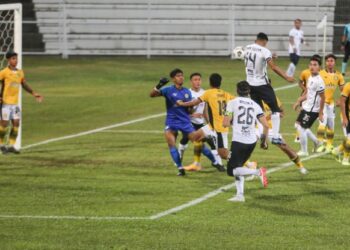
{"x": 328, "y": 112}
{"x": 10, "y": 112}
{"x": 221, "y": 139}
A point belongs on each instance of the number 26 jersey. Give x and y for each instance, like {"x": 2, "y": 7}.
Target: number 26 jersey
{"x": 245, "y": 113}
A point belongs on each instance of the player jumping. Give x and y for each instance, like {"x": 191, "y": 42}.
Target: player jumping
{"x": 296, "y": 39}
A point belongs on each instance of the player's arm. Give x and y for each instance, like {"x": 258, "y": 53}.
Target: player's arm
{"x": 264, "y": 136}
{"x": 322, "y": 101}
{"x": 155, "y": 92}
{"x": 27, "y": 88}
{"x": 291, "y": 42}
{"x": 227, "y": 120}
{"x": 345, "y": 120}
{"x": 205, "y": 113}
{"x": 279, "y": 71}
{"x": 300, "y": 100}
{"x": 301, "y": 84}
{"x": 192, "y": 103}
{"x": 343, "y": 38}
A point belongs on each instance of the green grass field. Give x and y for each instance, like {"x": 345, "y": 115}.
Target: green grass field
{"x": 103, "y": 180}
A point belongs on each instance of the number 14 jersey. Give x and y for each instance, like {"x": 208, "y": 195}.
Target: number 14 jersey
{"x": 245, "y": 113}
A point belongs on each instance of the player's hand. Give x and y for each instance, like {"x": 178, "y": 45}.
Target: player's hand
{"x": 179, "y": 103}
{"x": 320, "y": 117}
{"x": 39, "y": 98}
{"x": 296, "y": 106}
{"x": 290, "y": 79}
{"x": 345, "y": 122}
{"x": 197, "y": 115}
{"x": 274, "y": 55}
{"x": 263, "y": 142}
{"x": 162, "y": 81}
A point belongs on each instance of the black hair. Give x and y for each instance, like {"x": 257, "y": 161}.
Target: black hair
{"x": 10, "y": 54}
{"x": 174, "y": 72}
{"x": 262, "y": 36}
{"x": 331, "y": 56}
{"x": 243, "y": 88}
{"x": 316, "y": 58}
{"x": 195, "y": 74}
{"x": 215, "y": 80}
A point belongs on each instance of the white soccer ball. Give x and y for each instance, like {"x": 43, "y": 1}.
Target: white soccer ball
{"x": 238, "y": 53}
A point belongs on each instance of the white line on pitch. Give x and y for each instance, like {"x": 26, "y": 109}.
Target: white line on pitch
{"x": 89, "y": 132}
{"x": 134, "y": 131}
{"x": 224, "y": 188}
{"x": 71, "y": 217}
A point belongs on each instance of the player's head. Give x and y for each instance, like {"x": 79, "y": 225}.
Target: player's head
{"x": 330, "y": 61}
{"x": 243, "y": 88}
{"x": 12, "y": 58}
{"x": 315, "y": 64}
{"x": 177, "y": 76}
{"x": 262, "y": 39}
{"x": 196, "y": 80}
{"x": 215, "y": 80}
{"x": 297, "y": 23}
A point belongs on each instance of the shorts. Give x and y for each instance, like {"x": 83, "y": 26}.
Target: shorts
{"x": 306, "y": 119}
{"x": 185, "y": 128}
{"x": 267, "y": 94}
{"x": 185, "y": 139}
{"x": 294, "y": 58}
{"x": 10, "y": 112}
{"x": 222, "y": 140}
{"x": 240, "y": 153}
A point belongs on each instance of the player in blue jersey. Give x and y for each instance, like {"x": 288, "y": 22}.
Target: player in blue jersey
{"x": 345, "y": 41}
{"x": 178, "y": 118}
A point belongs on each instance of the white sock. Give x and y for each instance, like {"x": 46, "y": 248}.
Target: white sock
{"x": 241, "y": 171}
{"x": 302, "y": 138}
{"x": 182, "y": 147}
{"x": 330, "y": 123}
{"x": 276, "y": 121}
{"x": 291, "y": 69}
{"x": 312, "y": 136}
{"x": 239, "y": 185}
{"x": 218, "y": 159}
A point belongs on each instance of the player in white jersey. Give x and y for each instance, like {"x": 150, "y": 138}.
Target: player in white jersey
{"x": 257, "y": 58}
{"x": 243, "y": 113}
{"x": 198, "y": 121}
{"x": 296, "y": 39}
{"x": 312, "y": 101}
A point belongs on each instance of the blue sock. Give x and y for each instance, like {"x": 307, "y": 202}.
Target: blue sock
{"x": 207, "y": 152}
{"x": 343, "y": 67}
{"x": 176, "y": 156}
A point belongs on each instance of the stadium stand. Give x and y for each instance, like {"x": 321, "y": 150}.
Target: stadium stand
{"x": 187, "y": 27}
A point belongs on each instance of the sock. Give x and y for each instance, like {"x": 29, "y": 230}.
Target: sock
{"x": 303, "y": 139}
{"x": 297, "y": 134}
{"x": 206, "y": 151}
{"x": 2, "y": 135}
{"x": 321, "y": 131}
{"x": 197, "y": 150}
{"x": 176, "y": 157}
{"x": 217, "y": 156}
{"x": 341, "y": 148}
{"x": 276, "y": 120}
{"x": 239, "y": 185}
{"x": 291, "y": 69}
{"x": 343, "y": 67}
{"x": 330, "y": 137}
{"x": 312, "y": 136}
{"x": 298, "y": 162}
{"x": 241, "y": 171}
{"x": 13, "y": 135}
{"x": 346, "y": 144}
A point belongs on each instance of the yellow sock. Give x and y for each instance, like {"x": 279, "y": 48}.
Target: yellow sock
{"x": 330, "y": 136}
{"x": 320, "y": 132}
{"x": 298, "y": 162}
{"x": 13, "y": 135}
{"x": 2, "y": 134}
{"x": 297, "y": 134}
{"x": 341, "y": 148}
{"x": 197, "y": 151}
{"x": 346, "y": 144}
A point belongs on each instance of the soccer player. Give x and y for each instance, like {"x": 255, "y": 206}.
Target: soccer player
{"x": 198, "y": 121}
{"x": 178, "y": 118}
{"x": 293, "y": 156}
{"x": 257, "y": 57}
{"x": 345, "y": 41}
{"x": 332, "y": 79}
{"x": 296, "y": 39}
{"x": 344, "y": 106}
{"x": 216, "y": 100}
{"x": 312, "y": 106}
{"x": 243, "y": 113}
{"x": 12, "y": 80}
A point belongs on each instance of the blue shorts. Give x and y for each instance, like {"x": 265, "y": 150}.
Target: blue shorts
{"x": 185, "y": 128}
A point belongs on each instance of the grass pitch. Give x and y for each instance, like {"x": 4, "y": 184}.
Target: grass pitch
{"x": 127, "y": 171}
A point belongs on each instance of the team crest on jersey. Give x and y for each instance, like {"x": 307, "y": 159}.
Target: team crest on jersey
{"x": 174, "y": 94}
{"x": 187, "y": 96}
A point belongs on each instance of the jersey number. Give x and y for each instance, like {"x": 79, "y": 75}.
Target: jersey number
{"x": 222, "y": 107}
{"x": 251, "y": 57}
{"x": 246, "y": 115}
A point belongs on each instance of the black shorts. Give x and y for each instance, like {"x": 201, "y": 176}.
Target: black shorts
{"x": 267, "y": 94}
{"x": 240, "y": 153}
{"x": 346, "y": 52}
{"x": 306, "y": 119}
{"x": 294, "y": 58}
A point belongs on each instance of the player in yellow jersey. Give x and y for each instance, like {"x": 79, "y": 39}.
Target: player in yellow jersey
{"x": 293, "y": 156}
{"x": 345, "y": 108}
{"x": 333, "y": 79}
{"x": 12, "y": 80}
{"x": 216, "y": 100}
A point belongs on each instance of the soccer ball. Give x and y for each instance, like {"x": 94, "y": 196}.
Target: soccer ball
{"x": 238, "y": 53}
